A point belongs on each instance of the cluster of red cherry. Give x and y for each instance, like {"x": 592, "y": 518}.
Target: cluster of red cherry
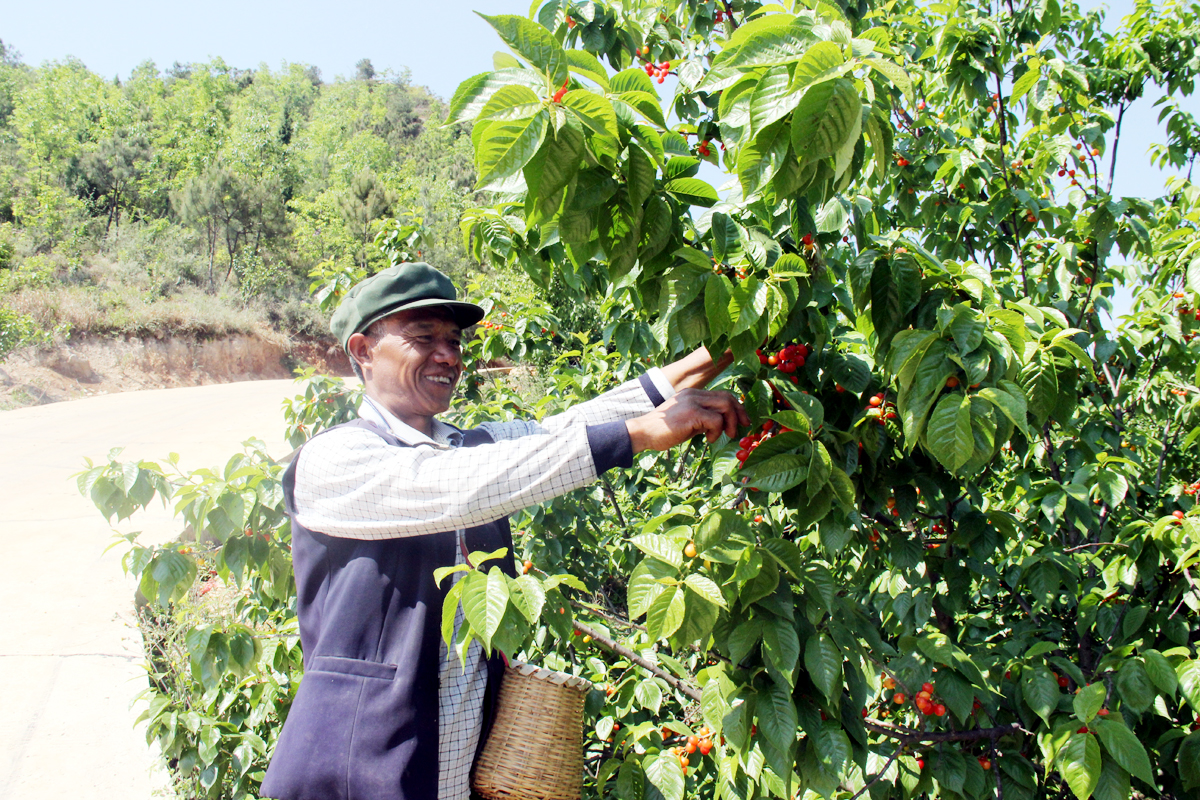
{"x": 752, "y": 440}
{"x": 787, "y": 360}
{"x": 491, "y": 326}
{"x": 1192, "y": 488}
{"x": 880, "y": 409}
{"x": 658, "y": 71}
{"x": 924, "y": 702}
{"x": 720, "y": 16}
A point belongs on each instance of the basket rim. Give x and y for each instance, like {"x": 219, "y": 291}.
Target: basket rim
{"x": 550, "y": 676}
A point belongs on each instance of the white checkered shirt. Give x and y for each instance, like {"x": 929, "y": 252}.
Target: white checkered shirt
{"x": 350, "y": 483}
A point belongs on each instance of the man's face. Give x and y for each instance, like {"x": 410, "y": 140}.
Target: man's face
{"x": 414, "y": 363}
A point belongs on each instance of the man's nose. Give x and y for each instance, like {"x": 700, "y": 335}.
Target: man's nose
{"x": 448, "y": 352}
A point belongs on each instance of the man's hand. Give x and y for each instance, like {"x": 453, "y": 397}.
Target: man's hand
{"x": 689, "y": 412}
{"x": 697, "y": 369}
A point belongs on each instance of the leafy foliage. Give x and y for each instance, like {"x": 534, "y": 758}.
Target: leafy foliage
{"x": 955, "y": 555}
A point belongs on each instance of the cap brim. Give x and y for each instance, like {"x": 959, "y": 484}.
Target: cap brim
{"x": 465, "y": 314}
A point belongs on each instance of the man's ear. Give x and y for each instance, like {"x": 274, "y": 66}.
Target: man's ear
{"x": 359, "y": 348}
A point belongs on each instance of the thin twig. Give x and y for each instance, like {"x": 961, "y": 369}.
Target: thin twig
{"x": 621, "y": 650}
{"x": 611, "y": 494}
{"x": 880, "y": 774}
{"x": 1162, "y": 455}
{"x": 1027, "y": 608}
{"x": 610, "y": 617}
{"x": 1093, "y": 544}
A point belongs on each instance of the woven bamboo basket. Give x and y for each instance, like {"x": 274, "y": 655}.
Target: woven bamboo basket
{"x": 535, "y": 748}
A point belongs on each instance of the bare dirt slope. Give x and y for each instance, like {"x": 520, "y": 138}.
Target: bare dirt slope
{"x": 99, "y": 366}
{"x": 70, "y": 653}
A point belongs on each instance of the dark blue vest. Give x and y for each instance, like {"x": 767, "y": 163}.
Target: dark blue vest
{"x": 364, "y": 723}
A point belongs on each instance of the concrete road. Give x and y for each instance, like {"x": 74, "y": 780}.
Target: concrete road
{"x": 70, "y": 653}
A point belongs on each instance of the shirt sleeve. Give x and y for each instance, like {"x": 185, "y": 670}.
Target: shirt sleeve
{"x": 630, "y": 399}
{"x": 350, "y": 483}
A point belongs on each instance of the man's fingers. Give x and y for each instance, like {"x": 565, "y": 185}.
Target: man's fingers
{"x": 711, "y": 422}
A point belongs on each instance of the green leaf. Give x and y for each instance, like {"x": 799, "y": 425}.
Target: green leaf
{"x": 777, "y": 716}
{"x": 665, "y": 614}
{"x": 646, "y": 104}
{"x": 949, "y": 435}
{"x": 581, "y": 62}
{"x": 1125, "y": 749}
{"x": 705, "y": 588}
{"x": 630, "y": 781}
{"x": 639, "y": 175}
{"x": 1160, "y": 672}
{"x": 824, "y": 118}
{"x": 1089, "y": 700}
{"x": 1079, "y": 764}
{"x": 772, "y": 100}
{"x": 662, "y": 548}
{"x": 824, "y": 60}
{"x": 594, "y": 111}
{"x": 1113, "y": 783}
{"x": 533, "y": 43}
{"x": 1189, "y": 761}
{"x": 824, "y": 663}
{"x": 1023, "y": 84}
{"x": 788, "y": 554}
{"x": 649, "y": 695}
{"x": 781, "y": 644}
{"x": 631, "y": 80}
{"x": 1188, "y": 675}
{"x": 1040, "y": 689}
{"x": 693, "y": 191}
{"x": 716, "y": 304}
{"x": 507, "y": 146}
{"x": 529, "y": 597}
{"x": 1134, "y": 686}
{"x": 511, "y": 102}
{"x": 497, "y": 601}
{"x": 769, "y": 47}
{"x": 666, "y": 775}
{"x": 646, "y": 584}
{"x": 475, "y": 605}
{"x": 780, "y": 473}
{"x": 894, "y": 73}
{"x": 717, "y": 526}
{"x": 1011, "y": 405}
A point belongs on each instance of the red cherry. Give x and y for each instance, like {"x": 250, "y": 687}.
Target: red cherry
{"x": 742, "y": 455}
{"x": 927, "y": 687}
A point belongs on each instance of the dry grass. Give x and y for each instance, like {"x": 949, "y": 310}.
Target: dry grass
{"x": 113, "y": 311}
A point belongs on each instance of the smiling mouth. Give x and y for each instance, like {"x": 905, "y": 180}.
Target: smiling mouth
{"x": 444, "y": 380}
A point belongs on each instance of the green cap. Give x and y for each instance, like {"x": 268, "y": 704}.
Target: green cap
{"x": 404, "y": 286}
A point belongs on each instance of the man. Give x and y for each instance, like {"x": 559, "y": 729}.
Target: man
{"x": 379, "y": 503}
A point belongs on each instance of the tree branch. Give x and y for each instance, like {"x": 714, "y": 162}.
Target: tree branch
{"x": 1112, "y": 167}
{"x": 609, "y": 644}
{"x": 909, "y": 736}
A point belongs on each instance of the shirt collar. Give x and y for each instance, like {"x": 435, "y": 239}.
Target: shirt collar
{"x": 444, "y": 436}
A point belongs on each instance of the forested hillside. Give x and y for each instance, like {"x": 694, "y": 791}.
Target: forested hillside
{"x": 206, "y": 198}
